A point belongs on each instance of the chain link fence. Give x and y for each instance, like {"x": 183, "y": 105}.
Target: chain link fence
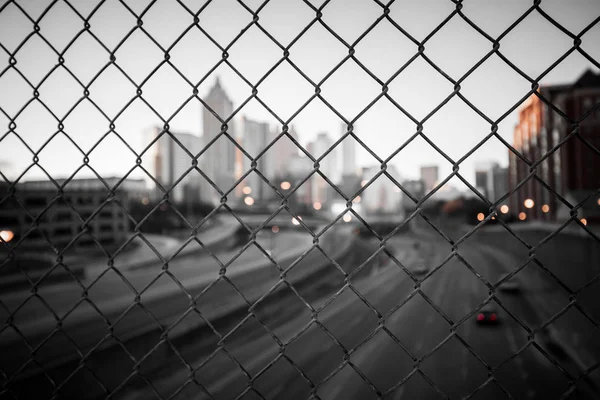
{"x": 109, "y": 329}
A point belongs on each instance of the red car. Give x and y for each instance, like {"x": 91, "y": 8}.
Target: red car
{"x": 487, "y": 315}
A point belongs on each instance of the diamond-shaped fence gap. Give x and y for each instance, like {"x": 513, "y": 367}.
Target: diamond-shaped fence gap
{"x": 35, "y": 125}
{"x": 384, "y": 128}
{"x": 222, "y": 305}
{"x": 15, "y": 26}
{"x": 440, "y": 367}
{"x": 60, "y": 25}
{"x": 348, "y": 318}
{"x": 315, "y": 278}
{"x": 392, "y": 283}
{"x": 284, "y": 321}
{"x": 85, "y": 125}
{"x": 281, "y": 377}
{"x": 166, "y": 21}
{"x": 274, "y": 91}
{"x": 84, "y": 314}
{"x": 60, "y": 154}
{"x": 454, "y": 277}
{"x": 458, "y": 119}
{"x": 113, "y": 348}
{"x": 19, "y": 158}
{"x": 111, "y": 147}
{"x": 384, "y": 57}
{"x": 404, "y": 12}
{"x": 496, "y": 18}
{"x": 350, "y": 101}
{"x": 18, "y": 92}
{"x": 60, "y": 81}
{"x": 338, "y": 383}
{"x": 43, "y": 383}
{"x": 419, "y": 77}
{"x": 22, "y": 319}
{"x": 297, "y": 17}
{"x": 35, "y": 60}
{"x": 575, "y": 332}
{"x": 321, "y": 362}
{"x": 457, "y": 37}
{"x": 317, "y": 62}
{"x": 253, "y": 273}
{"x": 415, "y": 385}
{"x": 238, "y": 18}
{"x": 195, "y": 55}
{"x": 382, "y": 353}
{"x": 507, "y": 375}
{"x": 350, "y": 23}
{"x": 222, "y": 375}
{"x": 242, "y": 55}
{"x": 94, "y": 386}
{"x": 10, "y": 336}
{"x": 58, "y": 344}
{"x": 379, "y": 201}
{"x": 423, "y": 318}
{"x": 166, "y": 91}
{"x": 523, "y": 45}
{"x": 574, "y": 18}
{"x": 111, "y": 91}
{"x": 494, "y": 351}
{"x": 241, "y": 344}
{"x": 138, "y": 56}
{"x": 137, "y": 321}
{"x": 121, "y": 23}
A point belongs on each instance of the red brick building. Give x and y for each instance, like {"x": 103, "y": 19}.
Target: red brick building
{"x": 573, "y": 171}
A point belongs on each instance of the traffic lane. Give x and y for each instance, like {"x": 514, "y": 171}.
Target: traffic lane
{"x": 63, "y": 297}
{"x": 252, "y": 345}
{"x": 220, "y": 296}
{"x": 452, "y": 367}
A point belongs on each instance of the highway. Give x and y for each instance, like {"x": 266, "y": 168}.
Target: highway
{"x": 282, "y": 350}
{"x": 312, "y": 358}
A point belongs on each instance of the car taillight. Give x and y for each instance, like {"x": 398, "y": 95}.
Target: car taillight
{"x": 480, "y": 317}
{"x": 493, "y": 317}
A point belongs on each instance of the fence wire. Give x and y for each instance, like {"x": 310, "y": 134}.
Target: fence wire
{"x": 226, "y": 192}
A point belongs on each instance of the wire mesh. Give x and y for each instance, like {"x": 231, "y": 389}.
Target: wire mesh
{"x": 319, "y": 244}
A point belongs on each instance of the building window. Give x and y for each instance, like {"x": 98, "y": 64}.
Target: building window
{"x": 35, "y": 202}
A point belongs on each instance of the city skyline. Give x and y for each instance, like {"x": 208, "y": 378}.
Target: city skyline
{"x": 383, "y": 128}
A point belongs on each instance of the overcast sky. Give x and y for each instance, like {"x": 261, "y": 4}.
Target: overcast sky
{"x": 494, "y": 87}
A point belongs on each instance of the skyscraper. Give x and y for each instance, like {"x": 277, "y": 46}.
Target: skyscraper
{"x": 429, "y": 175}
{"x": 257, "y": 136}
{"x": 320, "y": 188}
{"x": 348, "y": 154}
{"x": 283, "y": 151}
{"x": 218, "y": 161}
{"x": 167, "y": 161}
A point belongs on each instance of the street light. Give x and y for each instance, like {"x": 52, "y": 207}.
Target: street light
{"x": 504, "y": 209}
{"x": 275, "y": 229}
{"x": 6, "y": 236}
{"x": 480, "y": 217}
{"x": 528, "y": 203}
{"x": 285, "y": 185}
{"x": 145, "y": 201}
{"x": 249, "y": 201}
{"x": 583, "y": 221}
{"x": 522, "y": 216}
{"x": 545, "y": 208}
{"x": 347, "y": 218}
{"x": 363, "y": 183}
{"x": 247, "y": 190}
{"x": 317, "y": 206}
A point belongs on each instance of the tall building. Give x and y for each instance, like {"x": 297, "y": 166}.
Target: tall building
{"x": 573, "y": 171}
{"x": 283, "y": 151}
{"x": 491, "y": 180}
{"x": 348, "y": 154}
{"x": 218, "y": 161}
{"x": 429, "y": 175}
{"x": 382, "y": 196}
{"x": 319, "y": 187}
{"x": 257, "y": 137}
{"x": 166, "y": 160}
